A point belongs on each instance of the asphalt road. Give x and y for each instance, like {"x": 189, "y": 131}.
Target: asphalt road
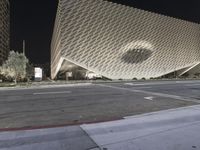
{"x": 54, "y": 106}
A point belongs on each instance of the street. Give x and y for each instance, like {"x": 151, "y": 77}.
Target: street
{"x": 70, "y": 105}
{"x": 159, "y": 115}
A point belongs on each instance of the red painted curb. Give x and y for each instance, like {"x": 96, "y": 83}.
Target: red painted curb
{"x": 56, "y": 126}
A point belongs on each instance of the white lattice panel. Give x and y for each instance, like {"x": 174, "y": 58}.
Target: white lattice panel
{"x": 4, "y": 30}
{"x": 118, "y": 41}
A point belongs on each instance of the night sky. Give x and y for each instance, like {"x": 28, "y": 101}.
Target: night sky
{"x": 33, "y": 20}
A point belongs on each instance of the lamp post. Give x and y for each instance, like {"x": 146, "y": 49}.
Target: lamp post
{"x": 24, "y": 47}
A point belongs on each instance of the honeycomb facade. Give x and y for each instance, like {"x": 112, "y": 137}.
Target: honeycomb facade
{"x": 4, "y": 30}
{"x": 121, "y": 42}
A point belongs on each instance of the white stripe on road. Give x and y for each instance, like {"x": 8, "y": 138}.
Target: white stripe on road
{"x": 131, "y": 84}
{"x": 153, "y": 93}
{"x": 149, "y": 87}
{"x": 153, "y": 83}
{"x": 191, "y": 83}
{"x": 149, "y": 98}
{"x": 59, "y": 92}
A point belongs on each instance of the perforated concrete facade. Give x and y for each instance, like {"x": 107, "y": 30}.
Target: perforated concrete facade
{"x": 121, "y": 42}
{"x": 4, "y": 29}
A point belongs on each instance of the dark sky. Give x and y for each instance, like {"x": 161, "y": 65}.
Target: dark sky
{"x": 33, "y": 21}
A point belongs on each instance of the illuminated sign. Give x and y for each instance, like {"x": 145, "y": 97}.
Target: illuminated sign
{"x": 38, "y": 72}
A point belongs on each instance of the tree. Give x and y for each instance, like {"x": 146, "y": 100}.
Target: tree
{"x": 29, "y": 71}
{"x": 15, "y": 66}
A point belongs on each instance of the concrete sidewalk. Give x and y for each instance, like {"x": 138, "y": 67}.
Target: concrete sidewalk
{"x": 175, "y": 129}
{"x": 62, "y": 138}
{"x": 44, "y": 86}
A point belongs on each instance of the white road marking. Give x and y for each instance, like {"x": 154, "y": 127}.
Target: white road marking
{"x": 138, "y": 84}
{"x": 59, "y": 92}
{"x": 153, "y": 93}
{"x": 161, "y": 83}
{"x": 149, "y": 98}
{"x": 149, "y": 87}
{"x": 128, "y": 84}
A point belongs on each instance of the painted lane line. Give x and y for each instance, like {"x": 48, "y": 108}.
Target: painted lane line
{"x": 149, "y": 98}
{"x": 153, "y": 93}
{"x": 163, "y": 83}
{"x": 128, "y": 84}
{"x": 60, "y": 92}
{"x": 140, "y": 84}
{"x": 142, "y": 87}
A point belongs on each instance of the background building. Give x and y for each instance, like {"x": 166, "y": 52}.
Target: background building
{"x": 121, "y": 42}
{"x": 4, "y": 30}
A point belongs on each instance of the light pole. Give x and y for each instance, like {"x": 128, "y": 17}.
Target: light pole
{"x": 24, "y": 47}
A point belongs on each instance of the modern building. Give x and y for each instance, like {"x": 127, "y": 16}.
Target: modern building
{"x": 4, "y": 30}
{"x": 122, "y": 42}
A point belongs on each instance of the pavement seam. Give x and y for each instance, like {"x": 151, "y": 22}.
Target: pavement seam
{"x": 97, "y": 146}
{"x": 154, "y": 93}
